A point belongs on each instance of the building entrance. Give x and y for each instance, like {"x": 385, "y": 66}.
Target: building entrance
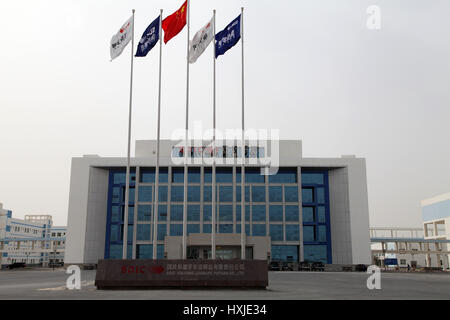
{"x": 222, "y": 252}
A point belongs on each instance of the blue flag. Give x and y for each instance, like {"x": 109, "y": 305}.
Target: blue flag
{"x": 149, "y": 38}
{"x": 228, "y": 37}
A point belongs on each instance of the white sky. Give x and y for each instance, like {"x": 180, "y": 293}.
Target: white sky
{"x": 313, "y": 70}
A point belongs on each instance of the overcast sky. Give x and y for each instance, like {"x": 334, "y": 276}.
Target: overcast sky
{"x": 313, "y": 70}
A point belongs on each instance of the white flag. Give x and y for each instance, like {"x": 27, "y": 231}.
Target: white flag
{"x": 120, "y": 40}
{"x": 201, "y": 41}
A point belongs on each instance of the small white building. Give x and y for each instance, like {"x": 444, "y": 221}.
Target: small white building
{"x": 33, "y": 240}
{"x": 436, "y": 226}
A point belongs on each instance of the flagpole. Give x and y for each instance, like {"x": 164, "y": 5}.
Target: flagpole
{"x": 213, "y": 212}
{"x": 186, "y": 139}
{"x": 156, "y": 203}
{"x": 127, "y": 176}
{"x": 243, "y": 147}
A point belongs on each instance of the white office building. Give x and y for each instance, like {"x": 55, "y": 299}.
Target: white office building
{"x": 311, "y": 209}
{"x": 33, "y": 240}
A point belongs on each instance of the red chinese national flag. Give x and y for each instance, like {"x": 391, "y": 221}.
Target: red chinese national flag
{"x": 174, "y": 23}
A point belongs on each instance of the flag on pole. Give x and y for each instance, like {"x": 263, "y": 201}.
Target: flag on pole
{"x": 228, "y": 37}
{"x": 120, "y": 40}
{"x": 174, "y": 23}
{"x": 201, "y": 41}
{"x": 149, "y": 38}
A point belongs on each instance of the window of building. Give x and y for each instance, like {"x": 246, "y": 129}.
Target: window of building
{"x": 238, "y": 213}
{"x": 275, "y": 194}
{"x": 224, "y": 175}
{"x": 308, "y": 195}
{"x": 238, "y": 193}
{"x": 162, "y": 193}
{"x": 193, "y": 193}
{"x": 176, "y": 229}
{"x": 177, "y": 193}
{"x": 193, "y": 228}
{"x": 276, "y": 213}
{"x": 226, "y": 194}
{"x": 259, "y": 229}
{"x": 162, "y": 231}
{"x": 290, "y": 194}
{"x": 292, "y": 232}
{"x": 145, "y": 193}
{"x": 259, "y": 213}
{"x": 194, "y": 175}
{"x": 315, "y": 253}
{"x": 225, "y": 228}
{"x": 143, "y": 232}
{"x": 144, "y": 212}
{"x": 226, "y": 213}
{"x": 193, "y": 213}
{"x": 276, "y": 232}
{"x": 284, "y": 253}
{"x": 284, "y": 175}
{"x": 176, "y": 212}
{"x": 162, "y": 212}
{"x": 292, "y": 213}
{"x": 258, "y": 194}
{"x": 312, "y": 178}
{"x": 177, "y": 175}
{"x": 247, "y": 228}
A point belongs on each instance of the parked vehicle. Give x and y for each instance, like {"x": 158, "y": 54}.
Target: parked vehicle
{"x": 286, "y": 266}
{"x": 317, "y": 266}
{"x": 274, "y": 266}
{"x": 55, "y": 264}
{"x": 17, "y": 265}
{"x": 361, "y": 267}
{"x": 304, "y": 266}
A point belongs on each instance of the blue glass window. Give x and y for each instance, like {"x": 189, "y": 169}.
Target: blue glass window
{"x": 163, "y": 177}
{"x": 145, "y": 193}
{"x": 252, "y": 175}
{"x": 177, "y": 193}
{"x": 148, "y": 175}
{"x": 238, "y": 193}
{"x": 194, "y": 175}
{"x": 176, "y": 229}
{"x": 259, "y": 229}
{"x": 276, "y": 213}
{"x": 291, "y": 194}
{"x": 224, "y": 175}
{"x": 315, "y": 253}
{"x": 276, "y": 232}
{"x": 116, "y": 214}
{"x": 207, "y": 175}
{"x": 119, "y": 177}
{"x": 238, "y": 213}
{"x": 193, "y": 213}
{"x": 322, "y": 230}
{"x": 259, "y": 213}
{"x": 207, "y": 228}
{"x": 207, "y": 193}
{"x": 162, "y": 231}
{"x": 284, "y": 175}
{"x": 291, "y": 213}
{"x": 143, "y": 232}
{"x": 162, "y": 195}
{"x": 162, "y": 212}
{"x": 308, "y": 233}
{"x": 116, "y": 192}
{"x": 321, "y": 214}
{"x": 308, "y": 214}
{"x": 292, "y": 232}
{"x": 312, "y": 178}
{"x": 275, "y": 194}
{"x": 193, "y": 193}
{"x": 193, "y": 228}
{"x": 226, "y": 213}
{"x": 114, "y": 236}
{"x": 284, "y": 253}
{"x": 144, "y": 251}
{"x": 176, "y": 212}
{"x": 115, "y": 251}
{"x": 226, "y": 194}
{"x": 225, "y": 228}
{"x": 247, "y": 229}
{"x": 308, "y": 195}
{"x": 207, "y": 209}
{"x": 144, "y": 212}
{"x": 177, "y": 175}
{"x": 320, "y": 195}
{"x": 258, "y": 194}
{"x": 129, "y": 235}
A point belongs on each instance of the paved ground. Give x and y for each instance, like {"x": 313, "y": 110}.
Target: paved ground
{"x": 48, "y": 284}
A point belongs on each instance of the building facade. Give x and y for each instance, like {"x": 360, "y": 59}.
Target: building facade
{"x": 312, "y": 209}
{"x": 436, "y": 226}
{"x": 30, "y": 240}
